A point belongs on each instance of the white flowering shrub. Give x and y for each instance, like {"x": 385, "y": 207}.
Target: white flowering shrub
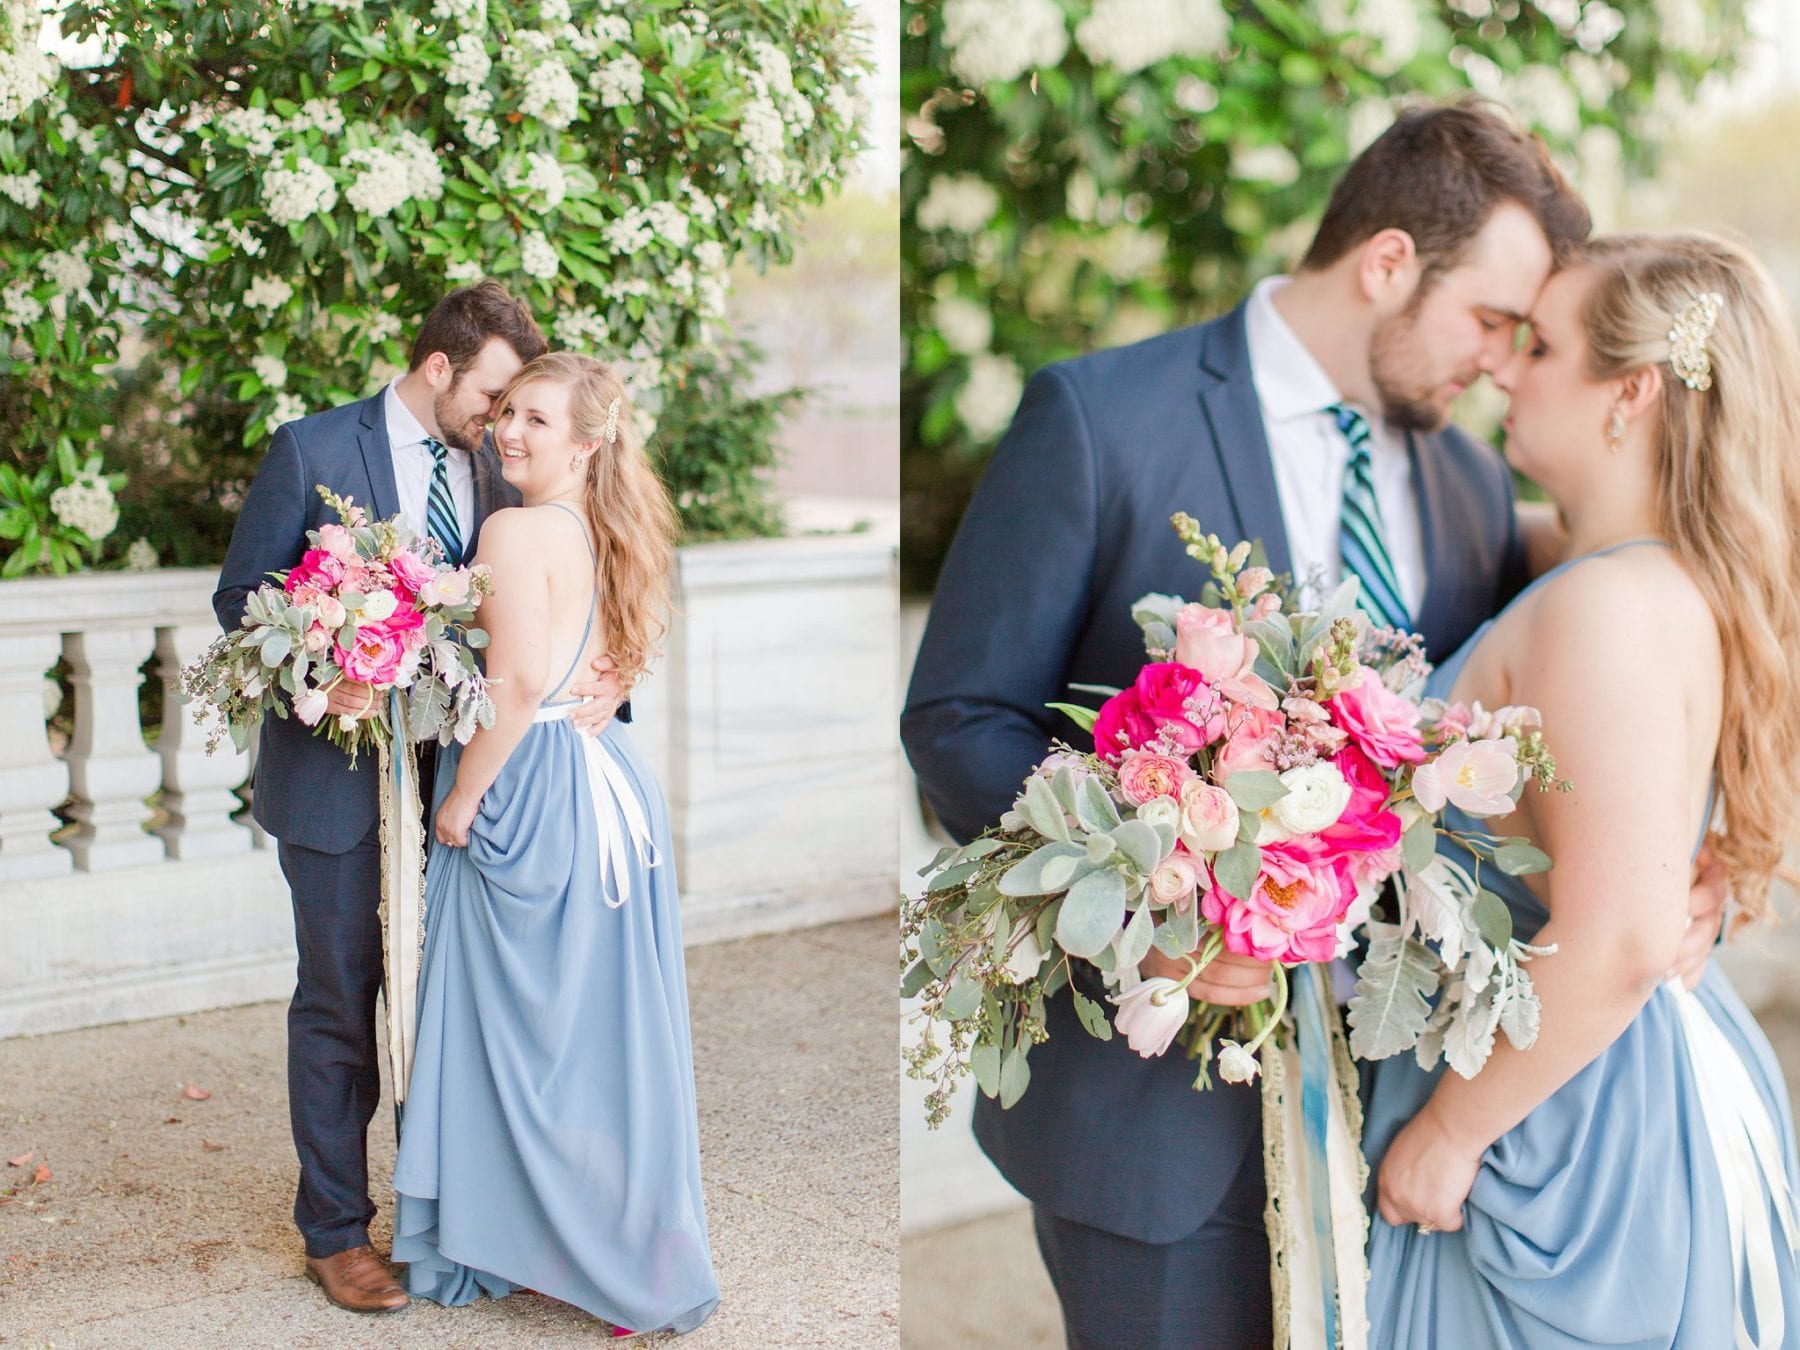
{"x": 1081, "y": 173}
{"x": 280, "y": 189}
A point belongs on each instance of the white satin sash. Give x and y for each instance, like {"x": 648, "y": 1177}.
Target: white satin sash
{"x": 618, "y": 815}
{"x": 1748, "y": 1152}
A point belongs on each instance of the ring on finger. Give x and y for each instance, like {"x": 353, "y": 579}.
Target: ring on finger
{"x": 1427, "y": 1229}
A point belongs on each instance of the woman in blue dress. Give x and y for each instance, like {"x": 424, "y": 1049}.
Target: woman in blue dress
{"x": 1629, "y": 1180}
{"x": 550, "y": 1138}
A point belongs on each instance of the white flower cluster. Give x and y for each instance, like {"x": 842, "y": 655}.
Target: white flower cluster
{"x": 469, "y": 61}
{"x": 544, "y": 176}
{"x": 619, "y": 82}
{"x": 392, "y": 177}
{"x": 581, "y": 330}
{"x": 20, "y": 306}
{"x": 113, "y": 170}
{"x": 670, "y": 224}
{"x": 322, "y": 115}
{"x": 294, "y": 194}
{"x": 241, "y": 239}
{"x": 988, "y": 397}
{"x": 256, "y": 128}
{"x": 469, "y": 13}
{"x": 551, "y": 95}
{"x": 1265, "y": 164}
{"x": 1542, "y": 97}
{"x": 141, "y": 556}
{"x": 70, "y": 271}
{"x": 1392, "y": 24}
{"x": 762, "y": 220}
{"x": 537, "y": 257}
{"x": 87, "y": 505}
{"x": 382, "y": 326}
{"x": 992, "y": 40}
{"x": 630, "y": 232}
{"x": 479, "y": 130}
{"x": 286, "y": 408}
{"x": 25, "y": 189}
{"x": 960, "y": 203}
{"x": 269, "y": 293}
{"x": 710, "y": 254}
{"x": 965, "y": 326}
{"x": 553, "y": 12}
{"x": 773, "y": 79}
{"x": 271, "y": 370}
{"x": 1131, "y": 34}
{"x": 25, "y": 73}
{"x": 461, "y": 273}
{"x": 763, "y": 136}
{"x": 622, "y": 288}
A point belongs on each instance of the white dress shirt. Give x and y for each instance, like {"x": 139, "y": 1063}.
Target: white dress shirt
{"x": 413, "y": 464}
{"x": 1310, "y": 456}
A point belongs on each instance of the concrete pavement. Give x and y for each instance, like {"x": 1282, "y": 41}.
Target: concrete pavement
{"x": 164, "y": 1221}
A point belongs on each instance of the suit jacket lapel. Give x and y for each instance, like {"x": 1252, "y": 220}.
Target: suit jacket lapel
{"x": 1428, "y": 480}
{"x": 378, "y": 459}
{"x": 1229, "y": 404}
{"x": 486, "y": 466}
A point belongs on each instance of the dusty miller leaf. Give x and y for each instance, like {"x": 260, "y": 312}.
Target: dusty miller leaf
{"x": 1387, "y": 1014}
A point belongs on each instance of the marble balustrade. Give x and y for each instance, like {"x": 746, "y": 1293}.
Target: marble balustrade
{"x": 132, "y": 883}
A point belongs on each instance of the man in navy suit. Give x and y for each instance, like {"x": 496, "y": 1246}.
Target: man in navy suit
{"x": 1147, "y": 1195}
{"x": 416, "y": 448}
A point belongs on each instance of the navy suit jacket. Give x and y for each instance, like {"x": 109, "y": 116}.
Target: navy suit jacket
{"x": 1069, "y": 526}
{"x": 306, "y": 792}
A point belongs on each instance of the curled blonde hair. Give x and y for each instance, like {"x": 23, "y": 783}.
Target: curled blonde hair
{"x": 1727, "y": 474}
{"x": 629, "y": 510}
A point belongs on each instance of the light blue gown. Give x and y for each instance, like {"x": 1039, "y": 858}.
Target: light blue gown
{"x": 550, "y": 1138}
{"x": 1605, "y": 1217}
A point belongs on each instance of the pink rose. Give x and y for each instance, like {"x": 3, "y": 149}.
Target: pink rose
{"x": 1144, "y": 774}
{"x": 1207, "y": 640}
{"x": 330, "y": 611}
{"x": 410, "y": 571}
{"x": 1383, "y": 724}
{"x": 1176, "y": 880}
{"x": 337, "y": 541}
{"x": 1475, "y": 776}
{"x": 375, "y": 656}
{"x": 317, "y": 638}
{"x": 1182, "y": 701}
{"x": 1251, "y": 737}
{"x": 1122, "y": 724}
{"x": 1209, "y": 817}
{"x": 1292, "y": 912}
{"x": 317, "y": 569}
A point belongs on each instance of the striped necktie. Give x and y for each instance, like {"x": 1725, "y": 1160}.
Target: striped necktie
{"x": 1360, "y": 541}
{"x": 440, "y": 506}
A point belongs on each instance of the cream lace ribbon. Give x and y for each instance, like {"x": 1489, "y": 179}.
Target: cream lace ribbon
{"x": 618, "y": 815}
{"x": 1748, "y": 1152}
{"x": 402, "y": 893}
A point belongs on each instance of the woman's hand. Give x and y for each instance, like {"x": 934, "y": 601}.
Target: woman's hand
{"x": 1228, "y": 981}
{"x": 1427, "y": 1175}
{"x": 454, "y": 818}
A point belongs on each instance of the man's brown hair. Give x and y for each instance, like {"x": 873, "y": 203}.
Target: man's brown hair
{"x": 1438, "y": 173}
{"x": 464, "y": 321}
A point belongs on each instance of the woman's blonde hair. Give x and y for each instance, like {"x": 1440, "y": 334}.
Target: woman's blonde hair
{"x": 629, "y": 510}
{"x": 1727, "y": 466}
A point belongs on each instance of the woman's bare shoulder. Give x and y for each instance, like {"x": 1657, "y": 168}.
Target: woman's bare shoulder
{"x": 1636, "y": 610}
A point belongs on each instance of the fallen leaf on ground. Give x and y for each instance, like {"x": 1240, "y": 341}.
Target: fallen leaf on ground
{"x": 39, "y": 1177}
{"x": 209, "y": 1146}
{"x": 19, "y": 1161}
{"x": 173, "y": 1120}
{"x": 198, "y": 1094}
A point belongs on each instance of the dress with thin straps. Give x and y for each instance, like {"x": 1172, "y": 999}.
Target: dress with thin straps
{"x": 551, "y": 1139}
{"x": 1647, "y": 1202}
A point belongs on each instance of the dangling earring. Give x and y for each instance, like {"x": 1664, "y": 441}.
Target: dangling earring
{"x": 1615, "y": 433}
{"x": 576, "y": 463}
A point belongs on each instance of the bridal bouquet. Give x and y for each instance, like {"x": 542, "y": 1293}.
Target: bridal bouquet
{"x": 1252, "y": 791}
{"x": 366, "y": 602}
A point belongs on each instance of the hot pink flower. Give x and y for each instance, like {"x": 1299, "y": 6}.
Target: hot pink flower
{"x": 375, "y": 656}
{"x": 1292, "y": 912}
{"x": 1144, "y": 774}
{"x": 1122, "y": 723}
{"x": 1382, "y": 723}
{"x": 1364, "y": 825}
{"x": 411, "y": 572}
{"x": 1176, "y": 695}
{"x": 317, "y": 568}
{"x": 1207, "y": 640}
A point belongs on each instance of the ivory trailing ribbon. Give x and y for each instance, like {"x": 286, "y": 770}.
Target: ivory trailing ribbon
{"x": 619, "y": 818}
{"x": 1316, "y": 1175}
{"x": 402, "y": 891}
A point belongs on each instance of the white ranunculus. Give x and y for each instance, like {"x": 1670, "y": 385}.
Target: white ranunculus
{"x": 1236, "y": 1064}
{"x": 1317, "y": 796}
{"x": 377, "y": 607}
{"x": 989, "y": 396}
{"x": 993, "y": 40}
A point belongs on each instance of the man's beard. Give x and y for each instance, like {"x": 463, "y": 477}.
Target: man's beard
{"x": 1396, "y": 368}
{"x": 458, "y": 434}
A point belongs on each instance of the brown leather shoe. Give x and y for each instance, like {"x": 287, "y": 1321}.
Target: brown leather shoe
{"x": 358, "y": 1280}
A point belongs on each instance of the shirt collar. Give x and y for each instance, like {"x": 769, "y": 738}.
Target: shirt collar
{"x": 403, "y": 428}
{"x": 1289, "y": 380}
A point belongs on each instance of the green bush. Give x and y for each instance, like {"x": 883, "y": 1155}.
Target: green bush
{"x": 1084, "y": 174}
{"x": 275, "y": 193}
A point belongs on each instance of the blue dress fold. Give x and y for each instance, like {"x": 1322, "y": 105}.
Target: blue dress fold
{"x": 1605, "y": 1218}
{"x": 550, "y": 1136}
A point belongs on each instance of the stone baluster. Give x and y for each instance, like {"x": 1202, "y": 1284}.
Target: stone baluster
{"x": 111, "y": 770}
{"x": 32, "y": 780}
{"x": 197, "y": 787}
